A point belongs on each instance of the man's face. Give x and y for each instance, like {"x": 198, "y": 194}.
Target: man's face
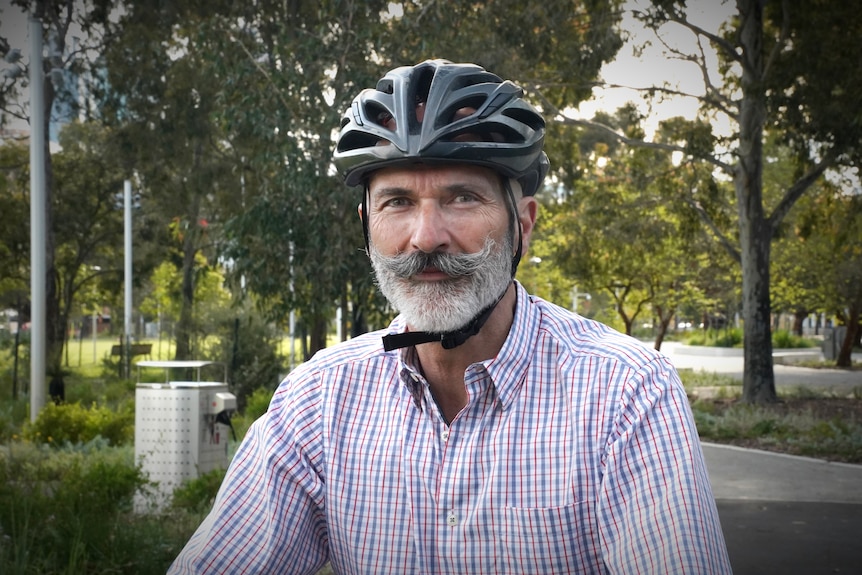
{"x": 441, "y": 246}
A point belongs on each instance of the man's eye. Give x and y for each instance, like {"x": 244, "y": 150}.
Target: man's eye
{"x": 465, "y": 198}
{"x": 395, "y": 202}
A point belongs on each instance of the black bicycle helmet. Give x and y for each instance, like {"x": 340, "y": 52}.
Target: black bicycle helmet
{"x": 470, "y": 116}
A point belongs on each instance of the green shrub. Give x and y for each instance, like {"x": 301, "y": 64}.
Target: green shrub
{"x": 68, "y": 511}
{"x": 258, "y": 402}
{"x": 731, "y": 337}
{"x": 197, "y": 495}
{"x": 72, "y": 423}
{"x": 256, "y": 405}
{"x": 783, "y": 339}
{"x": 249, "y": 345}
{"x": 13, "y": 414}
{"x": 799, "y": 433}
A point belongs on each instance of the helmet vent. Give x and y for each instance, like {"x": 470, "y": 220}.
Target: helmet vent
{"x": 498, "y": 133}
{"x": 527, "y": 117}
{"x": 450, "y": 115}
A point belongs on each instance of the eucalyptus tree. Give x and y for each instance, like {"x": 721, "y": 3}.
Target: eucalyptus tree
{"x": 819, "y": 259}
{"x": 621, "y": 228}
{"x": 14, "y": 228}
{"x": 14, "y": 240}
{"x": 164, "y": 102}
{"x": 68, "y": 65}
{"x": 785, "y": 65}
{"x": 288, "y": 71}
{"x": 88, "y": 224}
{"x": 559, "y": 45}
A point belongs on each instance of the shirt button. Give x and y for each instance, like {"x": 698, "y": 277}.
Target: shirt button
{"x": 445, "y": 435}
{"x": 451, "y": 519}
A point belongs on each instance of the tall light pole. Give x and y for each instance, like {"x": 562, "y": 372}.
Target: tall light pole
{"x": 127, "y": 258}
{"x": 38, "y": 224}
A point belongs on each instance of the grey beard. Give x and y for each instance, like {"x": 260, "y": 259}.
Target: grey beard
{"x": 475, "y": 282}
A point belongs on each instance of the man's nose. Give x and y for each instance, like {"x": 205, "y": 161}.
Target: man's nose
{"x": 430, "y": 229}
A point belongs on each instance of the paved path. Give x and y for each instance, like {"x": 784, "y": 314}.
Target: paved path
{"x": 838, "y": 380}
{"x": 783, "y": 514}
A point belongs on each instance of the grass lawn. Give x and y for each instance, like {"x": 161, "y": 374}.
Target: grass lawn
{"x": 89, "y": 352}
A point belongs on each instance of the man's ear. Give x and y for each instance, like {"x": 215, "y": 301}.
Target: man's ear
{"x": 527, "y": 211}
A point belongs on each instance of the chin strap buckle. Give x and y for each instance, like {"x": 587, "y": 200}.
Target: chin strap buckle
{"x": 448, "y": 340}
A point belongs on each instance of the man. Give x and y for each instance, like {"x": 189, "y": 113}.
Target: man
{"x": 484, "y": 431}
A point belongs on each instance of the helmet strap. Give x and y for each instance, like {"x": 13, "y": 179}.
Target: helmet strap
{"x": 515, "y": 224}
{"x": 449, "y": 339}
{"x": 363, "y": 215}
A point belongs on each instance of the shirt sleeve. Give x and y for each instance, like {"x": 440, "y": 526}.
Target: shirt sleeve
{"x": 268, "y": 516}
{"x": 656, "y": 510}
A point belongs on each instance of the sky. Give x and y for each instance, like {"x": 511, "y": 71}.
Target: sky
{"x": 654, "y": 66}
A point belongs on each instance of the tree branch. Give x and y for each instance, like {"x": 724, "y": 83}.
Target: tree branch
{"x": 558, "y": 116}
{"x": 797, "y": 190}
{"x": 782, "y": 39}
{"x": 725, "y": 46}
{"x": 722, "y": 239}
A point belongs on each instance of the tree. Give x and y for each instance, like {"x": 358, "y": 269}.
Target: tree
{"x": 14, "y": 219}
{"x": 14, "y": 240}
{"x": 88, "y": 223}
{"x": 165, "y": 98}
{"x": 773, "y": 73}
{"x": 62, "y": 66}
{"x": 821, "y": 256}
{"x": 623, "y": 230}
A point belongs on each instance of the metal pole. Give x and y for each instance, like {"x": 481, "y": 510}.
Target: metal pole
{"x": 127, "y": 321}
{"x": 38, "y": 224}
{"x": 95, "y": 328}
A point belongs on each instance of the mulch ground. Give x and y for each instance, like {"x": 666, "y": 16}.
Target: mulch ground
{"x": 821, "y": 407}
{"x": 848, "y": 410}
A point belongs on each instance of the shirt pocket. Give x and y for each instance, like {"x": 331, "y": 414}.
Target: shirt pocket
{"x": 551, "y": 540}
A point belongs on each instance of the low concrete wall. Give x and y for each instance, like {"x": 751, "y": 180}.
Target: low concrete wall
{"x": 779, "y": 356}
{"x": 709, "y": 351}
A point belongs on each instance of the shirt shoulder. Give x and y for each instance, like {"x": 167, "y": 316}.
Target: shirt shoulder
{"x": 340, "y": 365}
{"x": 571, "y": 333}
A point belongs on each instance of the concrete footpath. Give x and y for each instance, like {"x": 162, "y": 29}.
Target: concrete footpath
{"x": 783, "y": 514}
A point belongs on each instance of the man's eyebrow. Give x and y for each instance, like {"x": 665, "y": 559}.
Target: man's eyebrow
{"x": 390, "y": 192}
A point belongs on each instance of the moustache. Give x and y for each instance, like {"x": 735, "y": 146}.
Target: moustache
{"x": 405, "y": 265}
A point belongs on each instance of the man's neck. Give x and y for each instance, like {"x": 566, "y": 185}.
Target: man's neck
{"x": 444, "y": 368}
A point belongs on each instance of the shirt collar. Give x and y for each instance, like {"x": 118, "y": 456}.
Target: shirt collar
{"x": 509, "y": 369}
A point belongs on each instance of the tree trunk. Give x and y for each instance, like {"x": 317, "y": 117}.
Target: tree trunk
{"x": 664, "y": 318}
{"x": 55, "y": 326}
{"x": 758, "y": 382}
{"x": 755, "y": 232}
{"x": 845, "y": 355}
{"x": 185, "y": 325}
{"x": 799, "y": 321}
{"x": 319, "y": 327}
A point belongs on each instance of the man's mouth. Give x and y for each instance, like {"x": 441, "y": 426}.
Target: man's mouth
{"x": 432, "y": 273}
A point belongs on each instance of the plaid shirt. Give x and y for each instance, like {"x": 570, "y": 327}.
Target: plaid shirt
{"x": 576, "y": 453}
